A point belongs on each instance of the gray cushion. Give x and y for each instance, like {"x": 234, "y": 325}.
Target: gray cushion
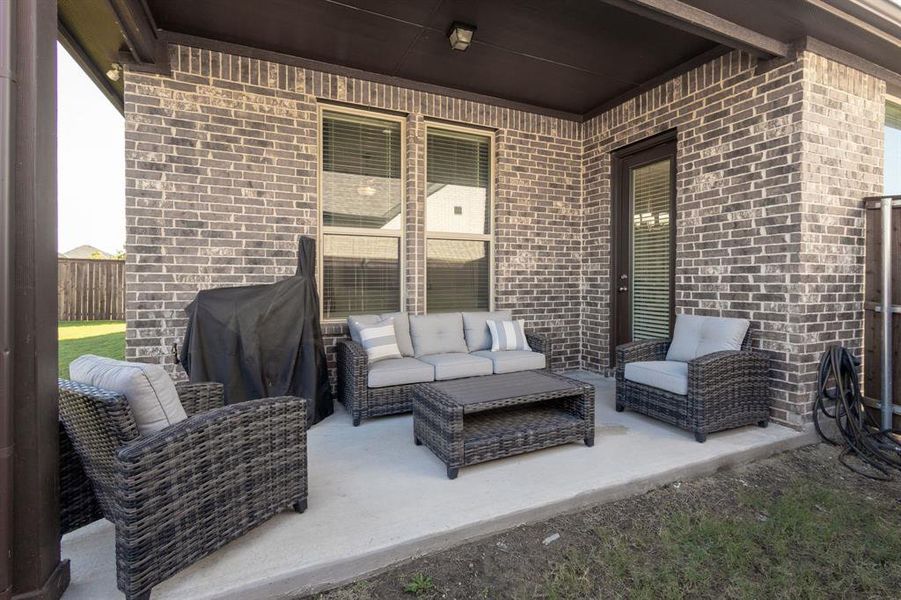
{"x": 669, "y": 375}
{"x": 696, "y": 336}
{"x": 401, "y": 328}
{"x": 379, "y": 340}
{"x": 399, "y": 371}
{"x": 510, "y": 361}
{"x": 475, "y": 327}
{"x": 437, "y": 334}
{"x": 458, "y": 364}
{"x": 148, "y": 389}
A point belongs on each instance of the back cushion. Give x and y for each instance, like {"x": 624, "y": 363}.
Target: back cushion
{"x": 401, "y": 328}
{"x": 475, "y": 327}
{"x": 148, "y": 389}
{"x": 696, "y": 336}
{"x": 437, "y": 334}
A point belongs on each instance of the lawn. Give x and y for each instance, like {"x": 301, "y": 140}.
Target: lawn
{"x": 103, "y": 338}
{"x": 795, "y": 526}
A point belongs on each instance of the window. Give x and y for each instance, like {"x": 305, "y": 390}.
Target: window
{"x": 892, "y": 168}
{"x": 362, "y": 213}
{"x": 459, "y": 223}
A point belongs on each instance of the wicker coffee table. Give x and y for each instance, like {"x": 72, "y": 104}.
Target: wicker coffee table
{"x": 473, "y": 420}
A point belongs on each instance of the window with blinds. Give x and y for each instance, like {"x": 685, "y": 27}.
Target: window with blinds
{"x": 360, "y": 275}
{"x": 650, "y": 199}
{"x": 361, "y": 189}
{"x": 458, "y": 220}
{"x": 458, "y": 275}
{"x": 361, "y": 172}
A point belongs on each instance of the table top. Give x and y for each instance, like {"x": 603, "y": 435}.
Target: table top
{"x": 483, "y": 393}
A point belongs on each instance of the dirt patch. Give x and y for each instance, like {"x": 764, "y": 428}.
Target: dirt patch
{"x": 797, "y": 525}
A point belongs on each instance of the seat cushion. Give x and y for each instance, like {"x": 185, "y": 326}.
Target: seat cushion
{"x": 475, "y": 328}
{"x": 696, "y": 335}
{"x": 510, "y": 361}
{"x": 669, "y": 375}
{"x": 149, "y": 390}
{"x": 458, "y": 364}
{"x": 437, "y": 334}
{"x": 399, "y": 371}
{"x": 401, "y": 328}
{"x": 379, "y": 340}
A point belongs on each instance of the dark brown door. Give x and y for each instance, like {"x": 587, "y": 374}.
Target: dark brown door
{"x": 644, "y": 226}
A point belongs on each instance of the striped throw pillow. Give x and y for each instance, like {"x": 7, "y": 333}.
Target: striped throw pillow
{"x": 379, "y": 340}
{"x": 507, "y": 335}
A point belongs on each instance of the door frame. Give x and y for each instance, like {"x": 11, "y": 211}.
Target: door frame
{"x": 666, "y": 142}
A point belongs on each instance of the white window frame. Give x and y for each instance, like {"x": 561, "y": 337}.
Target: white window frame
{"x": 399, "y": 234}
{"x": 440, "y": 235}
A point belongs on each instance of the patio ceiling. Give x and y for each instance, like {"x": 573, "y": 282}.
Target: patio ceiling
{"x": 565, "y": 57}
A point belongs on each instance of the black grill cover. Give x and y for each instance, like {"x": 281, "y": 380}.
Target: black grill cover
{"x": 262, "y": 341}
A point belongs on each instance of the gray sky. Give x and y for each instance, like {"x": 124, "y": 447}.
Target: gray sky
{"x": 90, "y": 162}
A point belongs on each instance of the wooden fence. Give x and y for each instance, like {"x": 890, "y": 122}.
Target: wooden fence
{"x": 91, "y": 290}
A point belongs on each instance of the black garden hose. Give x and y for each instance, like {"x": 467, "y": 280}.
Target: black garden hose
{"x": 877, "y": 453}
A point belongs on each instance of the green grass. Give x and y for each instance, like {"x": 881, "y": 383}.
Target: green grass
{"x": 103, "y": 338}
{"x": 807, "y": 543}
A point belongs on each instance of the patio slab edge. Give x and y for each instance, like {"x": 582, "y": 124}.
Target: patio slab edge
{"x": 319, "y": 578}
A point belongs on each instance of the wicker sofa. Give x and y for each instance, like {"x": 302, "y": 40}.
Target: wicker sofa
{"x": 368, "y": 390}
{"x": 177, "y": 495}
{"x": 711, "y": 392}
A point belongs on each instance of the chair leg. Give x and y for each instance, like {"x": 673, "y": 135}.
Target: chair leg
{"x": 620, "y": 407}
{"x": 300, "y": 506}
{"x": 763, "y": 423}
{"x": 356, "y": 420}
{"x": 701, "y": 437}
{"x": 452, "y": 472}
{"x": 141, "y": 596}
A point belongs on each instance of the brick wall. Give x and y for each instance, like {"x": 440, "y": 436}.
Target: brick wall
{"x": 772, "y": 160}
{"x": 221, "y": 179}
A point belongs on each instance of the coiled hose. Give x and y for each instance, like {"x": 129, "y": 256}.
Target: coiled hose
{"x": 877, "y": 454}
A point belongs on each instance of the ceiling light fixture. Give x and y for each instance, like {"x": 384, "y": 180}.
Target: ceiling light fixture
{"x": 115, "y": 71}
{"x": 460, "y": 35}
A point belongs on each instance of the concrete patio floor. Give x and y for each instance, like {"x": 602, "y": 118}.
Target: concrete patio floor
{"x": 377, "y": 499}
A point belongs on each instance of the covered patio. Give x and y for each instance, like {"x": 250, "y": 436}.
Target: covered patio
{"x": 593, "y": 168}
{"x": 376, "y": 499}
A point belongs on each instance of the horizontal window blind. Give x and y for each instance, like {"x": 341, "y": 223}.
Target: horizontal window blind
{"x": 361, "y": 171}
{"x": 360, "y": 274}
{"x": 458, "y": 275}
{"x": 650, "y": 278}
{"x": 458, "y": 173}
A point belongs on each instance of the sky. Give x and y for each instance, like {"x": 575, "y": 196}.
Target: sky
{"x": 90, "y": 162}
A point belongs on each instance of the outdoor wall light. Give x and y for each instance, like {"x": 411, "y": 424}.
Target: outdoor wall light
{"x": 115, "y": 71}
{"x": 460, "y": 35}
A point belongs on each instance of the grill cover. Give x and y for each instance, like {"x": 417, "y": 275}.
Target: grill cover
{"x": 262, "y": 341}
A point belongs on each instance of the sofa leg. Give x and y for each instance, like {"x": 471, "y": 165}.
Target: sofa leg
{"x": 141, "y": 596}
{"x": 701, "y": 437}
{"x": 763, "y": 423}
{"x": 620, "y": 407}
{"x": 356, "y": 420}
{"x": 300, "y": 506}
{"x": 452, "y": 472}
{"x": 417, "y": 441}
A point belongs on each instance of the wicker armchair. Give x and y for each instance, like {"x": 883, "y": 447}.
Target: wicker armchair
{"x": 363, "y": 402}
{"x": 179, "y": 494}
{"x": 725, "y": 389}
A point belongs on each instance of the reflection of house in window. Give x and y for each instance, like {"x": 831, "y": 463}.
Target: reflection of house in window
{"x": 447, "y": 204}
